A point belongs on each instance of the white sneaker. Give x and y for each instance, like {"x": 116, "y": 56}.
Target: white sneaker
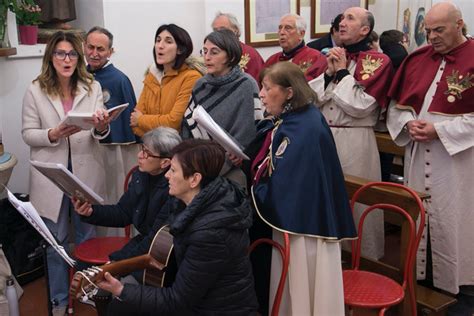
{"x": 59, "y": 310}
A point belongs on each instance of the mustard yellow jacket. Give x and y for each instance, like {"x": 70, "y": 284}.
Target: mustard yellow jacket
{"x": 164, "y": 98}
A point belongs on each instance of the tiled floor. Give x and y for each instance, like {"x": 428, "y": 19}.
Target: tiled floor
{"x": 34, "y": 301}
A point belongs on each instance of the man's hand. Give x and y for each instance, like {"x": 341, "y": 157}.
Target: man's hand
{"x": 134, "y": 117}
{"x": 421, "y": 131}
{"x": 337, "y": 56}
{"x": 111, "y": 284}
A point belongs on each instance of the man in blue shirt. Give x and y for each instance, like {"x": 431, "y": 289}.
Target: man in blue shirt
{"x": 119, "y": 147}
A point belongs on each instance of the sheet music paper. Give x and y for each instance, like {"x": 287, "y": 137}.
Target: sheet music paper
{"x": 28, "y": 211}
{"x": 85, "y": 120}
{"x": 218, "y": 133}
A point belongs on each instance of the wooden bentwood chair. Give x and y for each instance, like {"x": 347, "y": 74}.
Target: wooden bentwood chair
{"x": 371, "y": 290}
{"x": 96, "y": 251}
{"x": 285, "y": 256}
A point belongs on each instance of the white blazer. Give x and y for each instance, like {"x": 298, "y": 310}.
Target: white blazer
{"x": 42, "y": 112}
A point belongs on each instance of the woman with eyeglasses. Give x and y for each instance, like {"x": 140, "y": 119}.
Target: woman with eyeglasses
{"x": 147, "y": 193}
{"x": 63, "y": 85}
{"x": 209, "y": 222}
{"x": 228, "y": 94}
{"x": 168, "y": 82}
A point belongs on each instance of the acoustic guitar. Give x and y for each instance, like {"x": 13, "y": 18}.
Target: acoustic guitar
{"x": 159, "y": 265}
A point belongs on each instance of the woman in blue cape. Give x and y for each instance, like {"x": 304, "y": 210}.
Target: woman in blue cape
{"x": 298, "y": 188}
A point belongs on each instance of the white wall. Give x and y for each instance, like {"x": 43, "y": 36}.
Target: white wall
{"x": 134, "y": 41}
{"x": 15, "y": 76}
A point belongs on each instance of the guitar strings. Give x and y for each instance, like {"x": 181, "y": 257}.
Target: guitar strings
{"x": 90, "y": 283}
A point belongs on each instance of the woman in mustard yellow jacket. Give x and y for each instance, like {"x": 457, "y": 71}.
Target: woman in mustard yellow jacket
{"x": 168, "y": 83}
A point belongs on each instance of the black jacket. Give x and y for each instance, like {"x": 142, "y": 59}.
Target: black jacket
{"x": 210, "y": 242}
{"x": 142, "y": 206}
{"x": 321, "y": 43}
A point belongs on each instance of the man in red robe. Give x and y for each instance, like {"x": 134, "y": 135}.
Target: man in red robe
{"x": 350, "y": 95}
{"x": 251, "y": 62}
{"x": 432, "y": 114}
{"x": 291, "y": 32}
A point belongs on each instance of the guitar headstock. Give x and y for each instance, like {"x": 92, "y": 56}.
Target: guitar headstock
{"x": 83, "y": 284}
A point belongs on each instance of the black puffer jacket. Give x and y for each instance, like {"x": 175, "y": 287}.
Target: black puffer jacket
{"x": 214, "y": 272}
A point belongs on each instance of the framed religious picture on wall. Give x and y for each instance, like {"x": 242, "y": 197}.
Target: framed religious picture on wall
{"x": 262, "y": 18}
{"x": 324, "y": 11}
{"x": 411, "y": 21}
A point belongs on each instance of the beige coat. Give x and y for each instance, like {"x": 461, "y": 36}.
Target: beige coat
{"x": 42, "y": 112}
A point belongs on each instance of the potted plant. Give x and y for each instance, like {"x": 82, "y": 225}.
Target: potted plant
{"x": 4, "y": 4}
{"x": 27, "y": 17}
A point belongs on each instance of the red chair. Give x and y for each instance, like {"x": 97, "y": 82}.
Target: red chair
{"x": 285, "y": 256}
{"x": 371, "y": 290}
{"x": 96, "y": 251}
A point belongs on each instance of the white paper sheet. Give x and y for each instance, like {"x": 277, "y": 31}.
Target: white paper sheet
{"x": 28, "y": 211}
{"x": 85, "y": 120}
{"x": 218, "y": 133}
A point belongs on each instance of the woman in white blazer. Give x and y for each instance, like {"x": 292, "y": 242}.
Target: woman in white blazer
{"x": 64, "y": 85}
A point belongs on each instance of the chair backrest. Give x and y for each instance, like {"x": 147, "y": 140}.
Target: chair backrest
{"x": 285, "y": 256}
{"x": 412, "y": 247}
{"x": 128, "y": 178}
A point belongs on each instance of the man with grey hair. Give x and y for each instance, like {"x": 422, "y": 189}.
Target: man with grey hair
{"x": 119, "y": 147}
{"x": 291, "y": 31}
{"x": 251, "y": 62}
{"x": 350, "y": 95}
{"x": 432, "y": 116}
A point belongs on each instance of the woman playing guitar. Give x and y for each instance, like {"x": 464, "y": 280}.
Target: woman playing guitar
{"x": 209, "y": 224}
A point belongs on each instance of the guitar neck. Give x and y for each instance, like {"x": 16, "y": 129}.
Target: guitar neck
{"x": 127, "y": 266}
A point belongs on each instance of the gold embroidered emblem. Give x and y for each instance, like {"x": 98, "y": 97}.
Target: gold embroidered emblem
{"x": 244, "y": 60}
{"x": 457, "y": 84}
{"x": 282, "y": 147}
{"x": 305, "y": 65}
{"x": 369, "y": 66}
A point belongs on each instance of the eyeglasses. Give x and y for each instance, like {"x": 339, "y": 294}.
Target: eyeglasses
{"x": 59, "y": 54}
{"x": 147, "y": 153}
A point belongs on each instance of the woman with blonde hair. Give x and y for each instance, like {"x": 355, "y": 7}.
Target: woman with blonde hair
{"x": 63, "y": 85}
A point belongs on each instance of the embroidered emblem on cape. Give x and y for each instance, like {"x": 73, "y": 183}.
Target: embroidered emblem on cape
{"x": 283, "y": 145}
{"x": 244, "y": 60}
{"x": 106, "y": 95}
{"x": 457, "y": 84}
{"x": 369, "y": 66}
{"x": 305, "y": 65}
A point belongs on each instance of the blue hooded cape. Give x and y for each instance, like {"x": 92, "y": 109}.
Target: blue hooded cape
{"x": 303, "y": 191}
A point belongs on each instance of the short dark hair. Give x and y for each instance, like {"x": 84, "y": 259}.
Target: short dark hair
{"x": 286, "y": 75}
{"x": 372, "y": 37}
{"x": 390, "y": 37}
{"x": 98, "y": 29}
{"x": 335, "y": 23}
{"x": 183, "y": 41}
{"x": 227, "y": 41}
{"x": 201, "y": 156}
{"x": 370, "y": 22}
